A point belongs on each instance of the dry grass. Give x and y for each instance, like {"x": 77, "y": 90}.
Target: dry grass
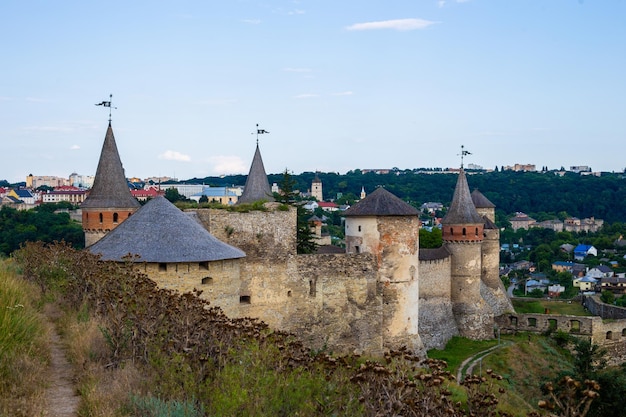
{"x": 23, "y": 349}
{"x": 104, "y": 390}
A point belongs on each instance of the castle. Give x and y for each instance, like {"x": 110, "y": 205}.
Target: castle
{"x": 382, "y": 293}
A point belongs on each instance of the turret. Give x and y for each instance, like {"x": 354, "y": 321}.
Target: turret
{"x": 463, "y": 230}
{"x": 495, "y": 293}
{"x": 257, "y": 186}
{"x": 387, "y": 227}
{"x": 109, "y": 202}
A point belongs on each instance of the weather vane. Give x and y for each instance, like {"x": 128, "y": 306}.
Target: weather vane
{"x": 259, "y": 132}
{"x": 463, "y": 153}
{"x": 107, "y": 104}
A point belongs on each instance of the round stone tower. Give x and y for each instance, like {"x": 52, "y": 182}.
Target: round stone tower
{"x": 388, "y": 228}
{"x": 463, "y": 234}
{"x": 494, "y": 293}
{"x": 109, "y": 202}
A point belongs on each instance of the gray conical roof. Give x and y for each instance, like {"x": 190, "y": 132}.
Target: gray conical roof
{"x": 160, "y": 232}
{"x": 381, "y": 203}
{"x": 462, "y": 210}
{"x": 480, "y": 201}
{"x": 257, "y": 186}
{"x": 110, "y": 188}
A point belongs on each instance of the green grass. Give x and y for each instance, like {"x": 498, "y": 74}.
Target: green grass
{"x": 554, "y": 307}
{"x": 458, "y": 349}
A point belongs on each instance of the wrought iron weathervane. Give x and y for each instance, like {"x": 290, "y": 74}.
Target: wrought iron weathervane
{"x": 259, "y": 132}
{"x": 107, "y": 104}
{"x": 463, "y": 153}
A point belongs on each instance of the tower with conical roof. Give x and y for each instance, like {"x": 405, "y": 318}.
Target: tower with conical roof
{"x": 109, "y": 202}
{"x": 493, "y": 290}
{"x": 388, "y": 228}
{"x": 257, "y": 186}
{"x": 463, "y": 233}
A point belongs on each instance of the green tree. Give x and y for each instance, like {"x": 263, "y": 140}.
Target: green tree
{"x": 432, "y": 239}
{"x": 173, "y": 195}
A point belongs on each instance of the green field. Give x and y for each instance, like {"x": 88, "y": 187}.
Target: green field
{"x": 572, "y": 308}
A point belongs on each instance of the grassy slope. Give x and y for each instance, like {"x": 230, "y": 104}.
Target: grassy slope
{"x": 554, "y": 307}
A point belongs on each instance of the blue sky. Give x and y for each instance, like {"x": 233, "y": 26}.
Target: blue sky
{"x": 338, "y": 84}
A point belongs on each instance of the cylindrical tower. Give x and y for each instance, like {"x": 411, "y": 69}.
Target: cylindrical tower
{"x": 463, "y": 230}
{"x": 109, "y": 202}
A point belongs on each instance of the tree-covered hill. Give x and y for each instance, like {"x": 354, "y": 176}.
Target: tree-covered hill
{"x": 530, "y": 192}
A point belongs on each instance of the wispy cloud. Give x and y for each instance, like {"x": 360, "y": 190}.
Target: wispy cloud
{"x": 442, "y": 3}
{"x": 297, "y": 11}
{"x": 397, "y": 24}
{"x": 343, "y": 93}
{"x": 74, "y": 147}
{"x": 290, "y": 69}
{"x": 223, "y": 164}
{"x": 306, "y": 95}
{"x": 174, "y": 156}
{"x": 251, "y": 21}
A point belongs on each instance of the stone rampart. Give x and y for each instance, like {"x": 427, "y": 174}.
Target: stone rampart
{"x": 606, "y": 311}
{"x": 267, "y": 234}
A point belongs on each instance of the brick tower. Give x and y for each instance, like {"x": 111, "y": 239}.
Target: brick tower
{"x": 109, "y": 202}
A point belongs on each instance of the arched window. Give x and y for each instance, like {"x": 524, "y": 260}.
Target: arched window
{"x": 101, "y": 217}
{"x": 451, "y": 231}
{"x": 476, "y": 233}
{"x": 464, "y": 232}
{"x": 115, "y": 217}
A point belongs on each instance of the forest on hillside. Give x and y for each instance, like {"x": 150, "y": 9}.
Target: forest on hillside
{"x": 529, "y": 192}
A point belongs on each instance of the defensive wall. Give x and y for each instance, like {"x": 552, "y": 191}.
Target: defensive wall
{"x": 331, "y": 301}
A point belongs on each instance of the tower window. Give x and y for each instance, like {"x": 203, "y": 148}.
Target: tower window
{"x": 162, "y": 267}
{"x": 451, "y": 231}
{"x": 207, "y": 280}
{"x": 359, "y": 228}
{"x": 115, "y": 217}
{"x": 244, "y": 299}
{"x": 100, "y": 215}
{"x": 464, "y": 232}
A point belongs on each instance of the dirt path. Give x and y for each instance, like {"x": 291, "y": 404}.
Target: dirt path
{"x": 467, "y": 366}
{"x": 61, "y": 395}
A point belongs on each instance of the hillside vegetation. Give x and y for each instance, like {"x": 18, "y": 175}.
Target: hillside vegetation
{"x": 148, "y": 351}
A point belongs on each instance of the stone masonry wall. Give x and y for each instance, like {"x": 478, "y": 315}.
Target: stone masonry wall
{"x": 260, "y": 234}
{"x": 219, "y": 280}
{"x": 436, "y": 321}
{"x": 329, "y": 301}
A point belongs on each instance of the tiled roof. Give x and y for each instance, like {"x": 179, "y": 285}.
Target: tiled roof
{"x": 462, "y": 210}
{"x": 160, "y": 232}
{"x": 433, "y": 254}
{"x": 110, "y": 189}
{"x": 257, "y": 186}
{"x": 480, "y": 201}
{"x": 381, "y": 203}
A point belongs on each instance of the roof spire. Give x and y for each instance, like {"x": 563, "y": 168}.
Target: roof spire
{"x": 257, "y": 186}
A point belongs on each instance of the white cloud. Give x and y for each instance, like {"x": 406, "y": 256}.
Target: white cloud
{"x": 296, "y": 12}
{"x": 225, "y": 165}
{"x": 174, "y": 156}
{"x": 251, "y": 21}
{"x": 306, "y": 96}
{"x": 74, "y": 147}
{"x": 343, "y": 93}
{"x": 397, "y": 24}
